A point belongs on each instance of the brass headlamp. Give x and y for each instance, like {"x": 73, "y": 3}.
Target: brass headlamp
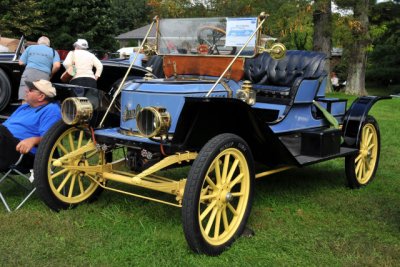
{"x": 153, "y": 121}
{"x": 76, "y": 110}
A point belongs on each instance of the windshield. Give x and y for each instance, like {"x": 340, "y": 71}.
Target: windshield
{"x": 206, "y": 36}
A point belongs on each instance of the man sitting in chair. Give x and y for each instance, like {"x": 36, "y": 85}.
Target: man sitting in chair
{"x": 23, "y": 130}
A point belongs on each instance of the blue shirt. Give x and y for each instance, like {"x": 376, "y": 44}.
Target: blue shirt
{"x": 28, "y": 122}
{"x": 40, "y": 57}
{"x": 138, "y": 61}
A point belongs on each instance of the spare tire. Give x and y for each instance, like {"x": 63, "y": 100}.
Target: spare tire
{"x": 5, "y": 90}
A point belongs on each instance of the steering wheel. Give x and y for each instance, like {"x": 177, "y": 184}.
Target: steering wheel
{"x": 209, "y": 36}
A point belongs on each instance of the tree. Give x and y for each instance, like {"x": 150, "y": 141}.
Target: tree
{"x": 172, "y": 8}
{"x": 322, "y": 38}
{"x": 130, "y": 15}
{"x": 92, "y": 20}
{"x": 356, "y": 46}
{"x": 232, "y": 8}
{"x": 384, "y": 59}
{"x": 21, "y": 17}
{"x": 291, "y": 22}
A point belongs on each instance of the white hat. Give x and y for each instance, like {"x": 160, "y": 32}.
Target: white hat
{"x": 82, "y": 43}
{"x": 43, "y": 86}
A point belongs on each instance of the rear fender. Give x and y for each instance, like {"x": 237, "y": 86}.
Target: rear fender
{"x": 355, "y": 116}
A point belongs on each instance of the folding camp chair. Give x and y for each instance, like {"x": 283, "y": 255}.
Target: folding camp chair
{"x": 17, "y": 168}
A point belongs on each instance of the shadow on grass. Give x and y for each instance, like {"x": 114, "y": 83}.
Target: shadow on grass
{"x": 304, "y": 181}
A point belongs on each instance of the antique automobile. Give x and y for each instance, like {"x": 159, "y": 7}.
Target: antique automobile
{"x": 11, "y": 71}
{"x": 228, "y": 110}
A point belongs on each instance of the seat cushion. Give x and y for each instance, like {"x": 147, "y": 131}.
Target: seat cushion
{"x": 264, "y": 70}
{"x": 272, "y": 89}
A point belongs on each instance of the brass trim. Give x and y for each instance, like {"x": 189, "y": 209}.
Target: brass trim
{"x": 161, "y": 120}
{"x": 228, "y": 89}
{"x": 129, "y": 132}
{"x": 76, "y": 110}
{"x": 277, "y": 51}
{"x": 263, "y": 17}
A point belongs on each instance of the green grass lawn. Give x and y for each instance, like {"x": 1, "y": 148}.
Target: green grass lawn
{"x": 305, "y": 217}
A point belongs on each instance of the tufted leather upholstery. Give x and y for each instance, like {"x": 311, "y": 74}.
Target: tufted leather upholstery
{"x": 156, "y": 63}
{"x": 283, "y": 76}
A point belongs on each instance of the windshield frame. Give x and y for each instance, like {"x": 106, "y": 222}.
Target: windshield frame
{"x": 207, "y": 36}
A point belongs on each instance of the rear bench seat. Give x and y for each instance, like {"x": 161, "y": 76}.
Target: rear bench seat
{"x": 277, "y": 81}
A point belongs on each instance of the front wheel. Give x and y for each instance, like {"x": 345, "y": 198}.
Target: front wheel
{"x": 61, "y": 187}
{"x": 218, "y": 194}
{"x": 361, "y": 167}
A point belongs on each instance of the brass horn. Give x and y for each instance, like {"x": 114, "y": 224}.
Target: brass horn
{"x": 277, "y": 51}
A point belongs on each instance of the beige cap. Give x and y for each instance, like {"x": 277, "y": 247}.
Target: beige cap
{"x": 43, "y": 86}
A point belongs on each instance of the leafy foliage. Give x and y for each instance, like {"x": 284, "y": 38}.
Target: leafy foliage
{"x": 21, "y": 17}
{"x": 177, "y": 8}
{"x": 72, "y": 19}
{"x": 290, "y": 21}
{"x": 384, "y": 59}
{"x": 130, "y": 14}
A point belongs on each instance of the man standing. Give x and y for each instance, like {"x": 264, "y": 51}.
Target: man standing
{"x": 24, "y": 129}
{"x": 139, "y": 59}
{"x": 41, "y": 62}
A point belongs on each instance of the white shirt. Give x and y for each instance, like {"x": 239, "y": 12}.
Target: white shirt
{"x": 84, "y": 63}
{"x": 335, "y": 81}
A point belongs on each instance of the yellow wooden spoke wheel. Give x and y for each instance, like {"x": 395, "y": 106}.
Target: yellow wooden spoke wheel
{"x": 218, "y": 194}
{"x": 361, "y": 168}
{"x": 61, "y": 187}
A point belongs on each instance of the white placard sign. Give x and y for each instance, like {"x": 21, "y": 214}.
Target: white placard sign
{"x": 238, "y": 31}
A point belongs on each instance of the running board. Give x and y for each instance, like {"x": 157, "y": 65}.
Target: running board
{"x": 304, "y": 160}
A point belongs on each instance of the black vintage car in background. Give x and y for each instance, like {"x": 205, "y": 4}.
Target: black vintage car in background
{"x": 11, "y": 71}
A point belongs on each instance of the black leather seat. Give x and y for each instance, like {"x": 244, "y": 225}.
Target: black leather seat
{"x": 156, "y": 63}
{"x": 281, "y": 78}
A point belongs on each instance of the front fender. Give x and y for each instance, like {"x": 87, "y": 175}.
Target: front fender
{"x": 355, "y": 116}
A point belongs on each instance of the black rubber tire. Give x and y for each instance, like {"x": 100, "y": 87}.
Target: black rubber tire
{"x": 191, "y": 220}
{"x": 42, "y": 167}
{"x": 350, "y": 161}
{"x": 5, "y": 90}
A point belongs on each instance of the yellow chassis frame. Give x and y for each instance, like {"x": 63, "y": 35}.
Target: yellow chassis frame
{"x": 145, "y": 179}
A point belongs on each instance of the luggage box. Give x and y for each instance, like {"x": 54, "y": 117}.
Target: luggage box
{"x": 320, "y": 143}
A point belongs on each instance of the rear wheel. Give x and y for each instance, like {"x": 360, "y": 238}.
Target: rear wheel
{"x": 59, "y": 187}
{"x": 5, "y": 90}
{"x": 218, "y": 194}
{"x": 361, "y": 168}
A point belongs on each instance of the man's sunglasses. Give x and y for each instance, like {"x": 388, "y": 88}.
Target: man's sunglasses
{"x": 33, "y": 89}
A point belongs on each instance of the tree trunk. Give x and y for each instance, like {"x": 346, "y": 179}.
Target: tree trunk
{"x": 322, "y": 39}
{"x": 355, "y": 83}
